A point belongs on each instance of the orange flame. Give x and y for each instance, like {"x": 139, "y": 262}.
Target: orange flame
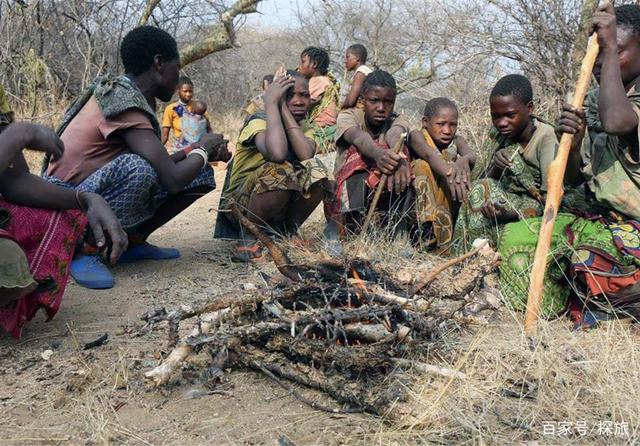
{"x": 359, "y": 283}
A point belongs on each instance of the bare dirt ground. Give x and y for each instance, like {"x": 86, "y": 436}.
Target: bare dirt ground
{"x": 99, "y": 396}
{"x": 514, "y": 392}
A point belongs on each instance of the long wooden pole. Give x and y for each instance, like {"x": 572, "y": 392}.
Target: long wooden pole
{"x": 555, "y": 190}
{"x": 380, "y": 188}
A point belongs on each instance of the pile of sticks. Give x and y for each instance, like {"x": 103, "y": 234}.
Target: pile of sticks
{"x": 343, "y": 327}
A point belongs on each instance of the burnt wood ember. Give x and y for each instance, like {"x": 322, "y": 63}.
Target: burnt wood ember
{"x": 343, "y": 327}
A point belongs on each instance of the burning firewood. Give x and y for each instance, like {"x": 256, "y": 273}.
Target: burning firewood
{"x": 343, "y": 327}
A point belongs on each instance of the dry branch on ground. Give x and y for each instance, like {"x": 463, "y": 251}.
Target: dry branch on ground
{"x": 327, "y": 329}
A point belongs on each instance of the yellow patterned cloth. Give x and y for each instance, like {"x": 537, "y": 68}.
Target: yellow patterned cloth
{"x": 294, "y": 176}
{"x": 433, "y": 199}
{"x": 252, "y": 173}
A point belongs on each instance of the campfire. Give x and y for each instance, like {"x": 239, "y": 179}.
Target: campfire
{"x": 346, "y": 328}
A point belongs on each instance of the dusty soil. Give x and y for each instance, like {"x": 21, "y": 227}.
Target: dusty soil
{"x": 99, "y": 396}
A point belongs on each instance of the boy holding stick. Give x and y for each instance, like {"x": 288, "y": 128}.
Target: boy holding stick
{"x": 599, "y": 255}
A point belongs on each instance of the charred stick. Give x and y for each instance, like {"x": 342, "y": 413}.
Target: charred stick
{"x": 261, "y": 329}
{"x": 280, "y": 258}
{"x": 316, "y": 351}
{"x": 367, "y": 332}
{"x": 257, "y": 365}
{"x": 430, "y": 277}
{"x": 378, "y": 294}
{"x": 162, "y": 373}
{"x": 339, "y": 388}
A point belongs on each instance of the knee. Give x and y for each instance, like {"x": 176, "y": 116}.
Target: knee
{"x": 140, "y": 170}
{"x": 323, "y": 186}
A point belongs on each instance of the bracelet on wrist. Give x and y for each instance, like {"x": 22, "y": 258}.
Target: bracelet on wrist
{"x": 79, "y": 201}
{"x": 199, "y": 151}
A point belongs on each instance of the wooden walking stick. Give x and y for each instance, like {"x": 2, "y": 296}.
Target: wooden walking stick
{"x": 555, "y": 190}
{"x": 380, "y": 188}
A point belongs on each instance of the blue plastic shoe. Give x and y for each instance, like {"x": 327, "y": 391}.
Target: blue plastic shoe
{"x": 147, "y": 251}
{"x": 90, "y": 272}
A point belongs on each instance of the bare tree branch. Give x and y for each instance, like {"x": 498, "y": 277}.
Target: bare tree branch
{"x": 221, "y": 36}
{"x": 148, "y": 10}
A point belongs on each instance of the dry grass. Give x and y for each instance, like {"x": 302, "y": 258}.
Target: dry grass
{"x": 517, "y": 390}
{"x": 565, "y": 387}
{"x": 513, "y": 391}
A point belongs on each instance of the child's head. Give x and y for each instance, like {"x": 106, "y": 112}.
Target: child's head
{"x": 198, "y": 108}
{"x": 298, "y": 98}
{"x": 355, "y": 56}
{"x": 266, "y": 81}
{"x": 378, "y": 97}
{"x": 440, "y": 119}
{"x": 185, "y": 89}
{"x": 313, "y": 61}
{"x": 511, "y": 103}
{"x": 628, "y": 21}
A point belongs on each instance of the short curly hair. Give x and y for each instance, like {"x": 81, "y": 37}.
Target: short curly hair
{"x": 142, "y": 44}
{"x": 359, "y": 51}
{"x": 378, "y": 78}
{"x": 628, "y": 16}
{"x": 434, "y": 105}
{"x": 184, "y": 80}
{"x": 515, "y": 85}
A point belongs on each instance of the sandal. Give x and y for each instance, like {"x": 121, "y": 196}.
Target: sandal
{"x": 246, "y": 253}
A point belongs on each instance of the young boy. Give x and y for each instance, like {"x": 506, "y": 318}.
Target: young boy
{"x": 516, "y": 181}
{"x": 602, "y": 251}
{"x": 172, "y": 117}
{"x": 355, "y": 59}
{"x": 325, "y": 95}
{"x": 363, "y": 139}
{"x": 275, "y": 178}
{"x": 194, "y": 124}
{"x": 256, "y": 103}
{"x": 442, "y": 171}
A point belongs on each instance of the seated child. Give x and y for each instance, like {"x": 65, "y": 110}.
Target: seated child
{"x": 354, "y": 61}
{"x": 442, "y": 167}
{"x": 325, "y": 95}
{"x": 363, "y": 139}
{"x": 256, "y": 103}
{"x": 515, "y": 183}
{"x": 275, "y": 178}
{"x": 193, "y": 124}
{"x": 172, "y": 117}
{"x": 596, "y": 260}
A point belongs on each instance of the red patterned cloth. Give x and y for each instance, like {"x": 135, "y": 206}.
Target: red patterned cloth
{"x": 353, "y": 164}
{"x": 48, "y": 239}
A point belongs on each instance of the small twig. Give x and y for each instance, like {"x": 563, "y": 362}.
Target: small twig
{"x": 311, "y": 403}
{"x": 97, "y": 343}
{"x": 419, "y": 286}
